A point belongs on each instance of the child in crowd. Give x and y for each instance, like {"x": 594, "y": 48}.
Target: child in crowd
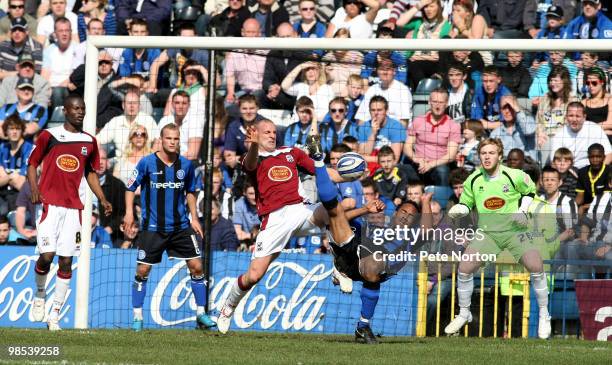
{"x": 354, "y": 84}
{"x": 563, "y": 161}
{"x": 296, "y": 133}
{"x": 468, "y": 151}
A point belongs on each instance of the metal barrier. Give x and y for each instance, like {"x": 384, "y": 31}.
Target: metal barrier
{"x": 515, "y": 276}
{"x": 558, "y": 276}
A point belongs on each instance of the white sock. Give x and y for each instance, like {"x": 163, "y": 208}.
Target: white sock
{"x": 138, "y": 314}
{"x": 61, "y": 288}
{"x": 235, "y": 295}
{"x": 41, "y": 285}
{"x": 465, "y": 287}
{"x": 540, "y": 285}
{"x": 200, "y": 310}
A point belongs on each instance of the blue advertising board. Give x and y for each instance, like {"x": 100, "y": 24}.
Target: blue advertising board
{"x": 296, "y": 295}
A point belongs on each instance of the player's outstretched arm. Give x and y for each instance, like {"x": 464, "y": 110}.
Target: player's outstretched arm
{"x": 94, "y": 183}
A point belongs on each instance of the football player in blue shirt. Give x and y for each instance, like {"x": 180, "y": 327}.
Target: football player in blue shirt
{"x": 167, "y": 182}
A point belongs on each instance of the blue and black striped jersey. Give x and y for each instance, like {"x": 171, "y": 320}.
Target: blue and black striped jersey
{"x": 163, "y": 193}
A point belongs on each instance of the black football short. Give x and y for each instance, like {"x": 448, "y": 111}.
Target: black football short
{"x": 346, "y": 258}
{"x": 179, "y": 245}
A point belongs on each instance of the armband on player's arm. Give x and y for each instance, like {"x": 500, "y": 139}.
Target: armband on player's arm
{"x": 458, "y": 211}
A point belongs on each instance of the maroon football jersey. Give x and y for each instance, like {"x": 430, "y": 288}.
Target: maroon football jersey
{"x": 276, "y": 178}
{"x": 65, "y": 157}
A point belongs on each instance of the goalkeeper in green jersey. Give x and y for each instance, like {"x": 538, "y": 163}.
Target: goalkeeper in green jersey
{"x": 501, "y": 196}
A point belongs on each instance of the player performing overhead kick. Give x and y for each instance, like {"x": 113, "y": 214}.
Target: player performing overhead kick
{"x": 497, "y": 193}
{"x": 355, "y": 255}
{"x": 66, "y": 154}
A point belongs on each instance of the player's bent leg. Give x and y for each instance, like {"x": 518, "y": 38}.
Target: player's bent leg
{"x": 465, "y": 288}
{"x": 241, "y": 286}
{"x": 41, "y": 269}
{"x": 198, "y": 287}
{"x": 139, "y": 291}
{"x": 532, "y": 260}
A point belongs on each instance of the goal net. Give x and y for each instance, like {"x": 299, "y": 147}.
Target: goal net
{"x": 375, "y": 97}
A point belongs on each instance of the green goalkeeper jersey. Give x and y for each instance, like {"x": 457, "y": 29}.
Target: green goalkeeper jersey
{"x": 496, "y": 198}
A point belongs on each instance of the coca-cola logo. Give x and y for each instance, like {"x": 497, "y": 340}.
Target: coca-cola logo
{"x": 17, "y": 293}
{"x": 296, "y": 310}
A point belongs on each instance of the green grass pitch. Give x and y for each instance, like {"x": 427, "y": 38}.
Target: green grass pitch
{"x": 178, "y": 347}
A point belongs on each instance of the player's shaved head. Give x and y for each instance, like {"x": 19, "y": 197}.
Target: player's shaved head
{"x": 262, "y": 122}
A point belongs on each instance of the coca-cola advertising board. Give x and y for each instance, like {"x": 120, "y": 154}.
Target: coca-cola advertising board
{"x": 296, "y": 295}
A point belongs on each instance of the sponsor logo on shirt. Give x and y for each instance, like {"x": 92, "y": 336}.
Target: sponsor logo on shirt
{"x": 168, "y": 185}
{"x": 494, "y": 203}
{"x": 280, "y": 173}
{"x": 67, "y": 163}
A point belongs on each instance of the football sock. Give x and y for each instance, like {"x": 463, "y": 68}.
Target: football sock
{"x": 540, "y": 286}
{"x": 327, "y": 190}
{"x": 369, "y": 298}
{"x": 198, "y": 287}
{"x": 465, "y": 287}
{"x": 41, "y": 281}
{"x": 62, "y": 283}
{"x": 139, "y": 290}
{"x": 239, "y": 290}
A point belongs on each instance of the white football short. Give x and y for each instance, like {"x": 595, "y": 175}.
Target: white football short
{"x": 58, "y": 230}
{"x": 282, "y": 224}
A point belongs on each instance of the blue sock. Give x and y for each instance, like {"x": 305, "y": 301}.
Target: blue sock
{"x": 198, "y": 287}
{"x": 328, "y": 192}
{"x": 139, "y": 290}
{"x": 369, "y": 298}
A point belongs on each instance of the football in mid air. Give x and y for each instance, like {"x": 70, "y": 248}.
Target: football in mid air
{"x": 351, "y": 166}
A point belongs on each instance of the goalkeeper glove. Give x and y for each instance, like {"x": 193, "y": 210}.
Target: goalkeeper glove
{"x": 522, "y": 216}
{"x": 458, "y": 211}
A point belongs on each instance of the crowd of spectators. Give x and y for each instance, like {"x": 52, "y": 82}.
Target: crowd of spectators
{"x": 416, "y": 117}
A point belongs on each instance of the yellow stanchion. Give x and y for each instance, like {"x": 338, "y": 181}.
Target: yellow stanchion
{"x": 481, "y": 316}
{"x": 422, "y": 300}
{"x": 495, "y": 301}
{"x": 438, "y": 299}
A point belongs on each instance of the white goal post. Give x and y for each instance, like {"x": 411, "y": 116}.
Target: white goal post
{"x": 94, "y": 43}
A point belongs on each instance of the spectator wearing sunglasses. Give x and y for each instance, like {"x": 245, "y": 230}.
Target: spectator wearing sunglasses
{"x": 16, "y": 9}
{"x": 598, "y": 106}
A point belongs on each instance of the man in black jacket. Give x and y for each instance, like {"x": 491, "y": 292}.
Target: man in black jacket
{"x": 278, "y": 65}
{"x": 229, "y": 22}
{"x": 515, "y": 76}
{"x": 109, "y": 106}
{"x": 114, "y": 191}
{"x": 269, "y": 15}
